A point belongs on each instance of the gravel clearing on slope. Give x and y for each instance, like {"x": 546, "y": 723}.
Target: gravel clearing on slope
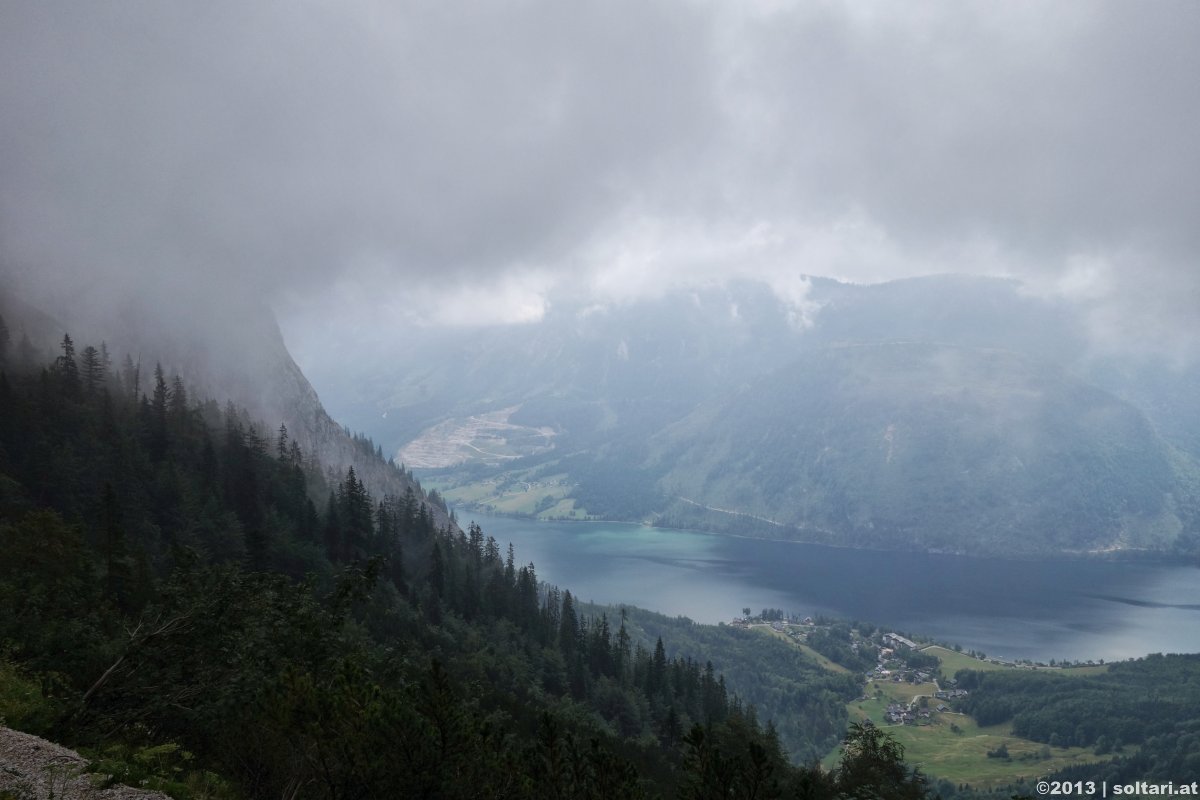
{"x": 35, "y": 769}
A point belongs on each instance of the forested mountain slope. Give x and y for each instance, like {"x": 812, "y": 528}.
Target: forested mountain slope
{"x": 177, "y": 604}
{"x": 231, "y": 350}
{"x": 933, "y": 446}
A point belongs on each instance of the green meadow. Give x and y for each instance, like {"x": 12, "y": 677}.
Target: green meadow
{"x": 953, "y": 661}
{"x": 517, "y": 493}
{"x": 951, "y": 745}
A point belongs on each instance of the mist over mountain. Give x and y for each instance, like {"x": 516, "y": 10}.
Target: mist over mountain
{"x": 228, "y": 345}
{"x": 949, "y": 412}
{"x": 619, "y": 241}
{"x": 931, "y": 446}
{"x": 556, "y": 260}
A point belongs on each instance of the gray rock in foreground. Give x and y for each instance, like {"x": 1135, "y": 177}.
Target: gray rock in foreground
{"x": 36, "y": 769}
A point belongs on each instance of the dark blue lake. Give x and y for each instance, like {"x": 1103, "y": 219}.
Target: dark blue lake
{"x": 1009, "y": 608}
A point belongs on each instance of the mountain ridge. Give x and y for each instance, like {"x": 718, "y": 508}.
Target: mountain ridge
{"x": 1019, "y": 454}
{"x": 610, "y": 384}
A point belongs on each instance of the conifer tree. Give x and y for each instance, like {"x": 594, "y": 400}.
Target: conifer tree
{"x": 68, "y": 370}
{"x": 491, "y": 552}
{"x": 158, "y": 416}
{"x": 437, "y": 572}
{"x": 497, "y": 594}
{"x": 395, "y": 571}
{"x": 475, "y": 543}
{"x": 527, "y": 600}
{"x": 621, "y": 652}
{"x": 178, "y": 407}
{"x": 296, "y": 456}
{"x": 600, "y": 647}
{"x": 208, "y": 465}
{"x": 5, "y": 337}
{"x": 333, "y": 531}
{"x": 92, "y": 367}
{"x": 568, "y": 626}
{"x": 356, "y": 516}
{"x": 131, "y": 377}
{"x": 656, "y": 681}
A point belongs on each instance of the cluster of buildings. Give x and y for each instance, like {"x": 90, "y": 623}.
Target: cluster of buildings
{"x": 898, "y": 714}
{"x": 898, "y": 675}
{"x": 897, "y": 642}
{"x": 891, "y": 653}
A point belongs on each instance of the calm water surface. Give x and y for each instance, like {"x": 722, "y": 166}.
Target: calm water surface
{"x": 1014, "y": 609}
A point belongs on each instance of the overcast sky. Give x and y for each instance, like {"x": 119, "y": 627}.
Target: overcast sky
{"x": 392, "y": 163}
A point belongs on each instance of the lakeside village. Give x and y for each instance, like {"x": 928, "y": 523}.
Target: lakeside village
{"x": 888, "y": 657}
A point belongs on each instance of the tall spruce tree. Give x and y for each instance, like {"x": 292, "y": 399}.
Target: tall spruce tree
{"x": 68, "y": 369}
{"x": 332, "y": 534}
{"x": 5, "y": 338}
{"x": 92, "y": 369}
{"x": 131, "y": 377}
{"x": 568, "y": 626}
{"x": 356, "y": 515}
{"x": 656, "y": 680}
{"x": 281, "y": 443}
{"x": 158, "y": 415}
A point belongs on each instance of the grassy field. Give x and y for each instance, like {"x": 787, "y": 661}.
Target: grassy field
{"x": 953, "y": 661}
{"x": 901, "y": 692}
{"x": 959, "y": 753}
{"x": 514, "y": 493}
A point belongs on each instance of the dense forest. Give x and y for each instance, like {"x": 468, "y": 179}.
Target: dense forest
{"x": 805, "y": 703}
{"x": 195, "y": 604}
{"x": 1145, "y": 711}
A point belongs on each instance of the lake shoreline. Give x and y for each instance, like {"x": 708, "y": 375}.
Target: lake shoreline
{"x": 1126, "y": 556}
{"x": 1035, "y": 608}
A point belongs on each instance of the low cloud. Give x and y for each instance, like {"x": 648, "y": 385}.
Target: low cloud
{"x": 360, "y": 160}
